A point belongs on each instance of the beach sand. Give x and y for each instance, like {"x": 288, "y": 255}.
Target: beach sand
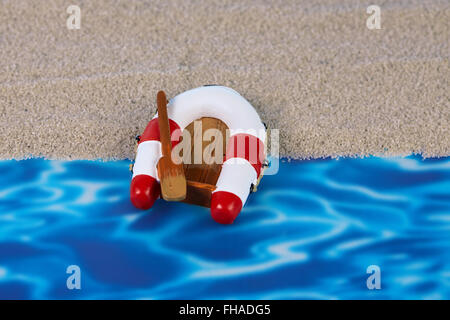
{"x": 312, "y": 69}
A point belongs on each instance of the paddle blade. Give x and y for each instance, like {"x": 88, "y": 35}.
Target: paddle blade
{"x": 172, "y": 179}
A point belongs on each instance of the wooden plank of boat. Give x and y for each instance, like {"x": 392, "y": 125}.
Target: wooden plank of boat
{"x": 202, "y": 178}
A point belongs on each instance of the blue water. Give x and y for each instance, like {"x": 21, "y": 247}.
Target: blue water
{"x": 310, "y": 232}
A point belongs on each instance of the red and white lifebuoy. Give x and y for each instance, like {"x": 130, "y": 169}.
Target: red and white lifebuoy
{"x": 242, "y": 164}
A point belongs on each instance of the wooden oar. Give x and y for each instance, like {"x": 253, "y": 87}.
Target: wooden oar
{"x": 171, "y": 175}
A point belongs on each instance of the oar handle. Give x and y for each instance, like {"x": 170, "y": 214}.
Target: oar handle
{"x": 163, "y": 121}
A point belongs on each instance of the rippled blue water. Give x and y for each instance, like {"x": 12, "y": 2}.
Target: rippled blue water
{"x": 310, "y": 232}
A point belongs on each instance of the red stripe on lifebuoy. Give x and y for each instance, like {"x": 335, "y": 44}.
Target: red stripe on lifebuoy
{"x": 151, "y": 132}
{"x": 247, "y": 147}
{"x": 225, "y": 207}
{"x": 144, "y": 190}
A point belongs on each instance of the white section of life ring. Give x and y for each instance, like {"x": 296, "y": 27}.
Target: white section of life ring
{"x": 216, "y": 102}
{"x": 148, "y": 154}
{"x": 236, "y": 177}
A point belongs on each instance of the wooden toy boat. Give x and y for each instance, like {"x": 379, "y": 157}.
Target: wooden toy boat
{"x": 223, "y": 187}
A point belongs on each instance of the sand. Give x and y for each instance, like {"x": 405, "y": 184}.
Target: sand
{"x": 312, "y": 69}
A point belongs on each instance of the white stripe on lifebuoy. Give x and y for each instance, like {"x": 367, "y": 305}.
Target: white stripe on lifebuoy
{"x": 147, "y": 157}
{"x": 216, "y": 102}
{"x": 236, "y": 177}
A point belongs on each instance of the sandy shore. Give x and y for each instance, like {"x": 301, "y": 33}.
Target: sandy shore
{"x": 313, "y": 70}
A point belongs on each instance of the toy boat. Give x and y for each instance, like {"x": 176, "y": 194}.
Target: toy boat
{"x": 223, "y": 187}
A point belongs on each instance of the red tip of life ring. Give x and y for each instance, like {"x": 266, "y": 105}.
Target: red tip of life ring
{"x": 225, "y": 207}
{"x": 144, "y": 190}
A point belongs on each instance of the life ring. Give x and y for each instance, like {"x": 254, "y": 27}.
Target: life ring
{"x": 243, "y": 161}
